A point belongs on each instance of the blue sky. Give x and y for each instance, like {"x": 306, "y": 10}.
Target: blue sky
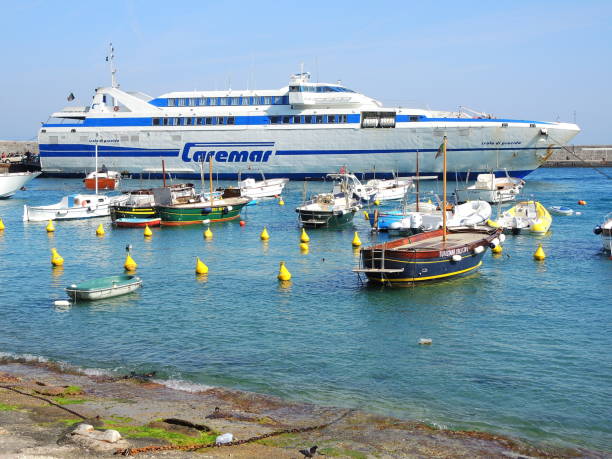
{"x": 542, "y": 60}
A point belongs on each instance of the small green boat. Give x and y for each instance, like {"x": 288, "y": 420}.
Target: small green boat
{"x": 202, "y": 212}
{"x": 104, "y": 287}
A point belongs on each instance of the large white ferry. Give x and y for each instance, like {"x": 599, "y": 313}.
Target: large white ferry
{"x": 303, "y": 130}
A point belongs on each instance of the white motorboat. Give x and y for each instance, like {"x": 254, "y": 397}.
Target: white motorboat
{"x": 71, "y": 207}
{"x": 266, "y": 188}
{"x": 331, "y": 209}
{"x": 605, "y": 230}
{"x": 492, "y": 189}
{"x": 11, "y": 182}
{"x": 390, "y": 189}
{"x": 463, "y": 215}
{"x": 347, "y": 182}
{"x": 106, "y": 180}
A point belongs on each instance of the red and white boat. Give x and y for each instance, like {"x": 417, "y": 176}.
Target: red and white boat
{"x": 106, "y": 180}
{"x": 137, "y": 222}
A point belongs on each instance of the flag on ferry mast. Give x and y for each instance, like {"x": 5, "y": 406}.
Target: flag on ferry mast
{"x": 70, "y": 97}
{"x": 440, "y": 151}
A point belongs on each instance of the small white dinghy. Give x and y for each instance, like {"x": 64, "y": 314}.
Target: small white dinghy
{"x": 392, "y": 189}
{"x": 561, "y": 210}
{"x": 266, "y": 188}
{"x": 72, "y": 207}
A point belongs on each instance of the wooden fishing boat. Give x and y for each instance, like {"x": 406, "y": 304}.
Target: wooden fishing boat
{"x": 202, "y": 211}
{"x": 133, "y": 222}
{"x": 427, "y": 256}
{"x": 104, "y": 287}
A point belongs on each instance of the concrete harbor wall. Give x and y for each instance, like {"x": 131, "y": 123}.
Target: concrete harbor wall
{"x": 592, "y": 155}
{"x": 583, "y": 156}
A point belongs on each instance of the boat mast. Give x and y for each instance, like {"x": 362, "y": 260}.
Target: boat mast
{"x": 96, "y": 172}
{"x": 111, "y": 61}
{"x": 444, "y": 190}
{"x": 417, "y": 180}
{"x": 210, "y": 179}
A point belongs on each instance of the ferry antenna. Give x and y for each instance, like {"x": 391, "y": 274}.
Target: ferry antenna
{"x": 111, "y": 62}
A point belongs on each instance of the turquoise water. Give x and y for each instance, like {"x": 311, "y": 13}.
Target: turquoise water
{"x": 520, "y": 348}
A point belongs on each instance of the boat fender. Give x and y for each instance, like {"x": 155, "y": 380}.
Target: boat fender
{"x": 495, "y": 241}
{"x": 597, "y": 230}
{"x": 457, "y": 257}
{"x": 502, "y": 237}
{"x": 229, "y": 208}
{"x": 84, "y": 203}
{"x": 206, "y": 210}
{"x": 478, "y": 249}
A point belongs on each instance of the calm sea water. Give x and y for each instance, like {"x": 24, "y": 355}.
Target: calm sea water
{"x": 520, "y": 348}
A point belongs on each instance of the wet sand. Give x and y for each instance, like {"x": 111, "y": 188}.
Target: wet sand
{"x": 40, "y": 404}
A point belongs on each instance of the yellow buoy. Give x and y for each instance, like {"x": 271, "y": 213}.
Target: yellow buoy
{"x": 356, "y": 240}
{"x": 130, "y": 264}
{"x": 539, "y": 253}
{"x": 497, "y": 249}
{"x": 208, "y": 233}
{"x": 100, "y": 230}
{"x": 366, "y": 216}
{"x": 264, "y": 234}
{"x": 201, "y": 268}
{"x": 147, "y": 231}
{"x": 1, "y": 225}
{"x": 56, "y": 258}
{"x": 283, "y": 272}
{"x": 50, "y": 228}
{"x": 304, "y": 237}
{"x": 281, "y": 202}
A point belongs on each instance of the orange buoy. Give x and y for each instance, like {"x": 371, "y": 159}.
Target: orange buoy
{"x": 582, "y": 202}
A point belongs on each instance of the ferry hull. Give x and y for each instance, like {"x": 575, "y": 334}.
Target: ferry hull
{"x": 474, "y": 147}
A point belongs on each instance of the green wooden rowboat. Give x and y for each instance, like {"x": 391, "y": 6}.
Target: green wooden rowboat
{"x": 104, "y": 287}
{"x": 199, "y": 212}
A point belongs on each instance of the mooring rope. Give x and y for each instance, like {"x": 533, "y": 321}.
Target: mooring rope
{"x": 584, "y": 161}
{"x": 155, "y": 448}
{"x": 50, "y": 402}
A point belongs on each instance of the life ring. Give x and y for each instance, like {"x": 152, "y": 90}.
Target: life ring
{"x": 116, "y": 108}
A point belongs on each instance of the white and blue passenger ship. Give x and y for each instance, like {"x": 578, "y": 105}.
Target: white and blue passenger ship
{"x": 303, "y": 130}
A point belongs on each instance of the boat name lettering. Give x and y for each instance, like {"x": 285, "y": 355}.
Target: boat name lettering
{"x": 451, "y": 252}
{"x": 499, "y": 142}
{"x": 225, "y": 154}
{"x": 103, "y": 140}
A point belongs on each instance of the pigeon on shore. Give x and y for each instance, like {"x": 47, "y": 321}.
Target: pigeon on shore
{"x": 309, "y": 452}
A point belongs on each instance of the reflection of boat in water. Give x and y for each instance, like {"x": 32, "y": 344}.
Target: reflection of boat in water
{"x": 330, "y": 209}
{"x": 72, "y": 207}
{"x": 107, "y": 180}
{"x": 530, "y": 215}
{"x": 492, "y": 189}
{"x": 431, "y": 255}
{"x": 104, "y": 287}
{"x": 605, "y": 230}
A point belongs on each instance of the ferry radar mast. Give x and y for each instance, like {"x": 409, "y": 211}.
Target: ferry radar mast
{"x": 111, "y": 61}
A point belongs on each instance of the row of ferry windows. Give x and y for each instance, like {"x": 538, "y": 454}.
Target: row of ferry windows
{"x": 230, "y": 120}
{"x": 319, "y": 89}
{"x": 216, "y": 101}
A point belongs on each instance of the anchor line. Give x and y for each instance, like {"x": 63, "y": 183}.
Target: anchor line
{"x": 153, "y": 448}
{"x": 576, "y": 156}
{"x": 46, "y": 400}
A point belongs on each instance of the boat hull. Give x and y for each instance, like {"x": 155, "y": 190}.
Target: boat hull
{"x": 475, "y": 146}
{"x": 137, "y": 222}
{"x": 193, "y": 215}
{"x": 389, "y": 265}
{"x": 127, "y": 212}
{"x": 325, "y": 219}
{"x": 103, "y": 183}
{"x": 10, "y": 183}
{"x": 104, "y": 288}
{"x": 43, "y": 214}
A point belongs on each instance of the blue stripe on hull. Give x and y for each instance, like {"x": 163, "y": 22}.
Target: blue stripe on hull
{"x": 292, "y": 176}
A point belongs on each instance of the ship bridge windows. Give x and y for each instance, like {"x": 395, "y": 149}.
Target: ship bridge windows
{"x": 378, "y": 120}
